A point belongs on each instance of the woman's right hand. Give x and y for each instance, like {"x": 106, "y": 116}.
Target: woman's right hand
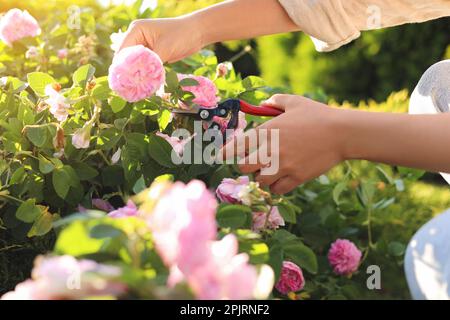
{"x": 171, "y": 38}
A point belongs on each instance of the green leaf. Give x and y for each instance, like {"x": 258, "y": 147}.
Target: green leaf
{"x": 189, "y": 82}
{"x": 276, "y": 256}
{"x": 338, "y": 190}
{"x": 396, "y": 249}
{"x": 18, "y": 176}
{"x": 38, "y": 81}
{"x": 161, "y": 151}
{"x": 233, "y": 216}
{"x": 139, "y": 185}
{"x": 101, "y": 90}
{"x": 287, "y": 212}
{"x": 164, "y": 118}
{"x": 37, "y": 135}
{"x": 301, "y": 255}
{"x": 117, "y": 104}
{"x": 42, "y": 225}
{"x": 61, "y": 182}
{"x": 28, "y": 211}
{"x": 105, "y": 231}
{"x": 84, "y": 171}
{"x": 83, "y": 75}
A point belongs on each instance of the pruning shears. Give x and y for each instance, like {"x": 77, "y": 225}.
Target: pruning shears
{"x": 226, "y": 114}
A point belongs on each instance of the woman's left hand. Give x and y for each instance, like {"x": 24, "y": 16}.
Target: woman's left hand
{"x": 309, "y": 143}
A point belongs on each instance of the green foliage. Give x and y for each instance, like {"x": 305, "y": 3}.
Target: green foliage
{"x": 371, "y": 67}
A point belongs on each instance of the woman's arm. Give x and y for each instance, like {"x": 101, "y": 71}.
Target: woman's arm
{"x": 243, "y": 19}
{"x": 419, "y": 141}
{"x": 176, "y": 38}
{"x": 314, "y": 137}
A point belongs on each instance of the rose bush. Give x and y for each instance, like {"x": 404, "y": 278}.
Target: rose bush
{"x": 86, "y": 171}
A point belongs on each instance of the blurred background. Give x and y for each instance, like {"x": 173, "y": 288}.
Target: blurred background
{"x": 376, "y": 72}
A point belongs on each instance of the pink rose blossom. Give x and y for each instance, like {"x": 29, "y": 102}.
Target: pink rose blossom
{"x": 130, "y": 210}
{"x": 225, "y": 274}
{"x": 291, "y": 278}
{"x": 182, "y": 223}
{"x": 223, "y": 69}
{"x": 274, "y": 221}
{"x": 344, "y": 257}
{"x": 17, "y": 24}
{"x": 64, "y": 277}
{"x": 59, "y": 107}
{"x": 205, "y": 92}
{"x": 176, "y": 143}
{"x": 63, "y": 53}
{"x": 229, "y": 190}
{"x": 102, "y": 205}
{"x": 136, "y": 73}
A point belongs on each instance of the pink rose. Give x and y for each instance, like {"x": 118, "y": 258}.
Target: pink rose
{"x": 182, "y": 223}
{"x": 229, "y": 190}
{"x": 59, "y": 107}
{"x": 223, "y": 69}
{"x": 205, "y": 92}
{"x": 344, "y": 257}
{"x": 291, "y": 278}
{"x": 63, "y": 53}
{"x": 130, "y": 210}
{"x": 176, "y": 143}
{"x": 64, "y": 277}
{"x": 17, "y": 24}
{"x": 102, "y": 205}
{"x": 136, "y": 73}
{"x": 261, "y": 221}
{"x": 225, "y": 274}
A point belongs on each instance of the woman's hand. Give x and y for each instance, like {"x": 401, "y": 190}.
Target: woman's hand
{"x": 308, "y": 143}
{"x": 172, "y": 39}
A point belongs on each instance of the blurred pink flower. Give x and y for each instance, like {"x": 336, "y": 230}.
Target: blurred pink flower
{"x": 225, "y": 274}
{"x": 82, "y": 137}
{"x": 102, "y": 205}
{"x": 205, "y": 92}
{"x": 64, "y": 277}
{"x": 130, "y": 210}
{"x": 17, "y": 24}
{"x": 59, "y": 107}
{"x": 344, "y": 257}
{"x": 136, "y": 73}
{"x": 176, "y": 143}
{"x": 31, "y": 53}
{"x": 182, "y": 223}
{"x": 291, "y": 278}
{"x": 63, "y": 53}
{"x": 229, "y": 190}
{"x": 274, "y": 221}
{"x": 223, "y": 69}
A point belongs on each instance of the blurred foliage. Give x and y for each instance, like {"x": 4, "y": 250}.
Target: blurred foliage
{"x": 373, "y": 66}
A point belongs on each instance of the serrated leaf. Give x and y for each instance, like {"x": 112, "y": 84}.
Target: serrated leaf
{"x": 28, "y": 211}
{"x": 161, "y": 151}
{"x": 61, "y": 182}
{"x": 233, "y": 216}
{"x": 45, "y": 166}
{"x": 42, "y": 225}
{"x": 37, "y": 135}
{"x": 301, "y": 255}
{"x": 83, "y": 75}
{"x": 287, "y": 212}
{"x": 38, "y": 81}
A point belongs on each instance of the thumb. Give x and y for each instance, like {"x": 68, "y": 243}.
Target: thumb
{"x": 279, "y": 101}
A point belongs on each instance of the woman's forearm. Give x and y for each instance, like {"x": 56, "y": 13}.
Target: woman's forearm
{"x": 419, "y": 141}
{"x": 242, "y": 19}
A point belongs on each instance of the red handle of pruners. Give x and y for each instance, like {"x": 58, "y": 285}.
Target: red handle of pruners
{"x": 265, "y": 111}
